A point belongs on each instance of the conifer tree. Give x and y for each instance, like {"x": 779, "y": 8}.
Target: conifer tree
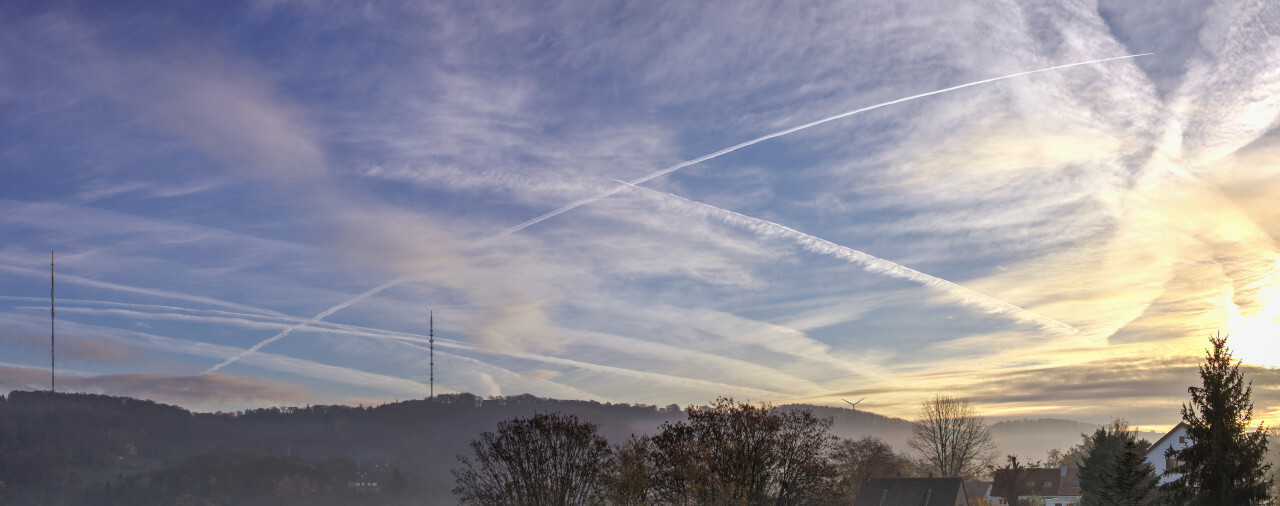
{"x": 1100, "y": 448}
{"x": 1127, "y": 479}
{"x": 1223, "y": 465}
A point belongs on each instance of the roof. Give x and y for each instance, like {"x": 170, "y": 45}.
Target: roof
{"x": 912, "y": 492}
{"x": 1180, "y": 425}
{"x": 974, "y": 489}
{"x": 1070, "y": 483}
{"x": 1049, "y": 481}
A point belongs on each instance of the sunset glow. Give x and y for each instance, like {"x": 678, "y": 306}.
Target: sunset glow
{"x": 1045, "y": 208}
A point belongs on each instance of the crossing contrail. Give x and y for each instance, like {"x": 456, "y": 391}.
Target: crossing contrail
{"x": 644, "y": 179}
{"x": 872, "y": 263}
{"x": 314, "y": 319}
{"x": 780, "y": 133}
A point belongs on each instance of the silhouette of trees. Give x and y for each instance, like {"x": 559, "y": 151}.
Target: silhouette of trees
{"x": 1100, "y": 449}
{"x": 1127, "y": 479}
{"x": 869, "y": 457}
{"x": 1010, "y": 481}
{"x": 630, "y": 481}
{"x": 547, "y": 459}
{"x": 1224, "y": 464}
{"x": 742, "y": 454}
{"x": 952, "y": 439}
{"x": 1074, "y": 456}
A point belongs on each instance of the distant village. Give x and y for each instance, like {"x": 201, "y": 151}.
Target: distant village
{"x": 1040, "y": 486}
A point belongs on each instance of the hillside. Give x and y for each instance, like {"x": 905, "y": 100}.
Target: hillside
{"x": 57, "y": 447}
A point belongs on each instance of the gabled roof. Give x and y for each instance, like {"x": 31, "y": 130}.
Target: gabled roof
{"x": 1070, "y": 483}
{"x": 974, "y": 489}
{"x": 1180, "y": 425}
{"x": 911, "y": 492}
{"x": 1051, "y": 481}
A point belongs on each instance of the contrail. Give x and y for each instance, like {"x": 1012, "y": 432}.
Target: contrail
{"x": 780, "y": 133}
{"x": 314, "y": 319}
{"x": 647, "y": 178}
{"x": 766, "y": 228}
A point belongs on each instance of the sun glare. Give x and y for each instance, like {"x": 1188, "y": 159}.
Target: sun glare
{"x": 1255, "y": 339}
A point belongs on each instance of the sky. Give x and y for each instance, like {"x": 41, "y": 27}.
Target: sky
{"x": 261, "y": 203}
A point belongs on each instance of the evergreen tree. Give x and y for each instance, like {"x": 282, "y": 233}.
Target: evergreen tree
{"x": 1127, "y": 479}
{"x": 1100, "y": 448}
{"x": 1223, "y": 465}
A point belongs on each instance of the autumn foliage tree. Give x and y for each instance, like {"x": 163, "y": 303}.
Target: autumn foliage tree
{"x": 868, "y": 457}
{"x": 737, "y": 453}
{"x": 630, "y": 481}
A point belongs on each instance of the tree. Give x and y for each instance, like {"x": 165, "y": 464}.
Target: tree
{"x": 547, "y": 459}
{"x": 630, "y": 481}
{"x": 736, "y": 453}
{"x": 1224, "y": 464}
{"x": 1100, "y": 448}
{"x": 1126, "y": 480}
{"x": 1010, "y": 481}
{"x": 1073, "y": 457}
{"x": 952, "y": 439}
{"x": 869, "y": 457}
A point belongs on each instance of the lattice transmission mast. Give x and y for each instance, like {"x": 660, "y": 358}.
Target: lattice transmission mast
{"x": 53, "y": 383}
{"x": 431, "y": 347}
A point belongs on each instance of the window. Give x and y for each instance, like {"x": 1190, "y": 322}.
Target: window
{"x": 1182, "y": 439}
{"x": 1170, "y": 463}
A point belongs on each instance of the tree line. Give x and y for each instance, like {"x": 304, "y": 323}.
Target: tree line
{"x": 738, "y": 453}
{"x": 726, "y": 453}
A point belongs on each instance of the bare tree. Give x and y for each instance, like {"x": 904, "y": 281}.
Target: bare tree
{"x": 952, "y": 438}
{"x": 548, "y": 459}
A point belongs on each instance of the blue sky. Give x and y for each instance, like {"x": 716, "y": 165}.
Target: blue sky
{"x": 214, "y": 175}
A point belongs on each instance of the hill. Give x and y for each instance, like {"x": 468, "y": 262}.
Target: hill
{"x": 66, "y": 448}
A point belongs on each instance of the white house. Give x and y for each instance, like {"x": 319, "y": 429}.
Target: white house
{"x": 1176, "y": 438}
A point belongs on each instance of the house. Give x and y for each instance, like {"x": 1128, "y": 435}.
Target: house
{"x": 976, "y": 489}
{"x": 362, "y": 484}
{"x": 1055, "y": 486}
{"x": 912, "y": 492}
{"x": 1176, "y": 438}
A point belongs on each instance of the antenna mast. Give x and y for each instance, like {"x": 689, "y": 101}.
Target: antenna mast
{"x": 53, "y": 384}
{"x": 431, "y": 346}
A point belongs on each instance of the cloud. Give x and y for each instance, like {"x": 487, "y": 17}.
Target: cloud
{"x": 172, "y": 161}
{"x": 77, "y": 348}
{"x": 226, "y": 106}
{"x": 206, "y": 391}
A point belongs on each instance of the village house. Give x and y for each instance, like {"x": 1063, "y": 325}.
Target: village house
{"x": 1176, "y": 438}
{"x": 1054, "y": 486}
{"x": 912, "y": 492}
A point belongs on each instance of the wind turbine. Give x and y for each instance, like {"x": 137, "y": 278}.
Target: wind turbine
{"x": 854, "y": 405}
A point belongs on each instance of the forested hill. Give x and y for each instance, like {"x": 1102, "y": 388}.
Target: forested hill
{"x": 66, "y": 448}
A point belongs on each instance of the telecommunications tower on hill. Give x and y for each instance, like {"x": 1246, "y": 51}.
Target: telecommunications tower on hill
{"x": 53, "y": 381}
{"x": 431, "y": 347}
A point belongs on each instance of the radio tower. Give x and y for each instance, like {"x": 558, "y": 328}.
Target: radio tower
{"x": 53, "y": 384}
{"x": 431, "y": 347}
